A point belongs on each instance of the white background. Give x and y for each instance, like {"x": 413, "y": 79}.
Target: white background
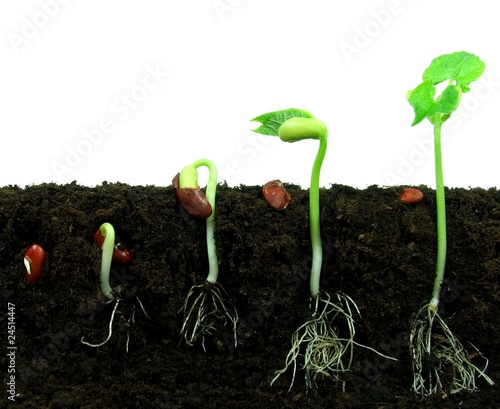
{"x": 68, "y": 67}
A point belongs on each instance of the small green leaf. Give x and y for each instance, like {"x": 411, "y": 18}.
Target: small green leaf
{"x": 422, "y": 101}
{"x": 450, "y": 98}
{"x": 273, "y": 120}
{"x": 460, "y": 69}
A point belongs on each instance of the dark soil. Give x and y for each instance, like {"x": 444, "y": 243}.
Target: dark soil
{"x": 378, "y": 251}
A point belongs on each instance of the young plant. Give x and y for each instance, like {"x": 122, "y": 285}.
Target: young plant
{"x": 204, "y": 304}
{"x": 325, "y": 352}
{"x": 436, "y": 352}
{"x": 121, "y": 255}
{"x": 111, "y": 252}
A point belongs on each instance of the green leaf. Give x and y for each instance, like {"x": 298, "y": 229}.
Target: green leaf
{"x": 450, "y": 98}
{"x": 424, "y": 105}
{"x": 422, "y": 101}
{"x": 460, "y": 69}
{"x": 273, "y": 120}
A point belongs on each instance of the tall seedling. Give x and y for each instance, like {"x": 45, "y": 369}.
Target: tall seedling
{"x": 434, "y": 349}
{"x": 325, "y": 351}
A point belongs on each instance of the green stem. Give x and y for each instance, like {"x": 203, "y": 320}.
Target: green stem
{"x": 108, "y": 232}
{"x": 314, "y": 219}
{"x": 441, "y": 215}
{"x": 296, "y": 129}
{"x": 213, "y": 261}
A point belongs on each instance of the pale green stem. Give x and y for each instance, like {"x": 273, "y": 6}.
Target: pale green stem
{"x": 293, "y": 130}
{"x": 314, "y": 219}
{"x": 108, "y": 232}
{"x": 213, "y": 261}
{"x": 441, "y": 216}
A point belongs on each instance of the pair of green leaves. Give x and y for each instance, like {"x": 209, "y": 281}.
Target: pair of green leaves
{"x": 460, "y": 69}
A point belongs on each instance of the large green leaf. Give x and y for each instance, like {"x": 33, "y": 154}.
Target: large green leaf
{"x": 459, "y": 69}
{"x": 273, "y": 120}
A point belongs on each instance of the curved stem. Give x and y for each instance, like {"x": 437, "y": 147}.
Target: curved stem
{"x": 108, "y": 232}
{"x": 314, "y": 219}
{"x": 441, "y": 216}
{"x": 293, "y": 129}
{"x": 213, "y": 261}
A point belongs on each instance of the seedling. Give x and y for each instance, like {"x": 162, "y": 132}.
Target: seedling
{"x": 121, "y": 255}
{"x": 436, "y": 352}
{"x": 193, "y": 200}
{"x": 34, "y": 260}
{"x": 105, "y": 238}
{"x": 205, "y": 303}
{"x": 325, "y": 352}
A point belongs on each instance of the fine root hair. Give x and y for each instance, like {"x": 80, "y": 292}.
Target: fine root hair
{"x": 324, "y": 352}
{"x": 205, "y": 305}
{"x": 440, "y": 362}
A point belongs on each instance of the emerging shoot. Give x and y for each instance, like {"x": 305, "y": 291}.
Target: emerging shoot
{"x": 121, "y": 255}
{"x": 204, "y": 304}
{"x": 111, "y": 252}
{"x": 325, "y": 352}
{"x": 108, "y": 232}
{"x": 435, "y": 350}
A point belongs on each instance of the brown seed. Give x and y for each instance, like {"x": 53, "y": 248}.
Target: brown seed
{"x": 410, "y": 195}
{"x": 193, "y": 200}
{"x": 276, "y": 195}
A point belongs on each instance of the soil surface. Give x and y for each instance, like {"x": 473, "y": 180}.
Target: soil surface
{"x": 377, "y": 250}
